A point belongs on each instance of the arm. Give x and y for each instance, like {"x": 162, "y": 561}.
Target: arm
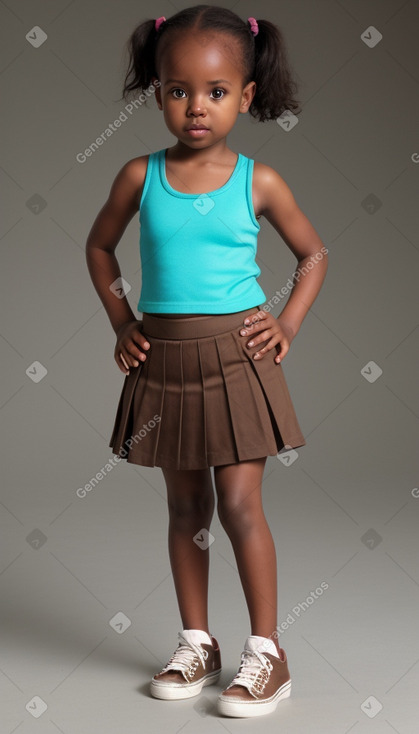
{"x": 279, "y": 207}
{"x": 105, "y": 234}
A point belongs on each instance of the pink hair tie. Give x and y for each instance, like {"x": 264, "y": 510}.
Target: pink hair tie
{"x": 253, "y": 26}
{"x": 159, "y": 21}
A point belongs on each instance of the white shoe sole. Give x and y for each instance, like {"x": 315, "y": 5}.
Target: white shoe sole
{"x": 172, "y": 691}
{"x": 253, "y": 708}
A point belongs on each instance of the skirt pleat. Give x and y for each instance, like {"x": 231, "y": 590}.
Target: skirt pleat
{"x": 170, "y": 390}
{"x": 201, "y": 401}
{"x": 278, "y": 400}
{"x": 194, "y": 426}
{"x": 124, "y": 419}
{"x": 250, "y": 421}
{"x": 148, "y": 404}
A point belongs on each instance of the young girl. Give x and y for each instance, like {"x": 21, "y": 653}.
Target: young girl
{"x": 204, "y": 385}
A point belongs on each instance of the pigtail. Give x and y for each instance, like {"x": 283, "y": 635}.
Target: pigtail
{"x": 275, "y": 82}
{"x": 264, "y": 55}
{"x": 141, "y": 49}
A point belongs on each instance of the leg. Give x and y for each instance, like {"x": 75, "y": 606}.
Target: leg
{"x": 190, "y": 496}
{"x": 241, "y": 514}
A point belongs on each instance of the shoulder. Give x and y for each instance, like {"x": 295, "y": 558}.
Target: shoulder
{"x": 132, "y": 175}
{"x": 135, "y": 169}
{"x": 271, "y": 188}
{"x": 264, "y": 174}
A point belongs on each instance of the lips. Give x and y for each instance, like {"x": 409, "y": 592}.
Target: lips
{"x": 197, "y": 127}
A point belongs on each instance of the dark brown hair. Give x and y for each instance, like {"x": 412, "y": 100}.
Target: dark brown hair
{"x": 264, "y": 56}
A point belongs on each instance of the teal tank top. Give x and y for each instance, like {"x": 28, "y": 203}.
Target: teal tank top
{"x": 198, "y": 250}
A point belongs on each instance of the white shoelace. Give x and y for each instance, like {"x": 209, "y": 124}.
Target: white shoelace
{"x": 252, "y": 663}
{"x": 184, "y": 657}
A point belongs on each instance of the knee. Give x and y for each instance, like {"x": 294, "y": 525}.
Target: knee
{"x": 186, "y": 511}
{"x": 236, "y": 517}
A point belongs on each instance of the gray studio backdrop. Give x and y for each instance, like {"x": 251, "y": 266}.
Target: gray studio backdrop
{"x": 89, "y": 610}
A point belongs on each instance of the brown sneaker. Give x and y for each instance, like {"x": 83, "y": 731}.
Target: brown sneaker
{"x": 194, "y": 664}
{"x": 262, "y": 681}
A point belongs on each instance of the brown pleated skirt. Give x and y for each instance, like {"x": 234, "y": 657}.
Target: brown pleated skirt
{"x": 200, "y": 399}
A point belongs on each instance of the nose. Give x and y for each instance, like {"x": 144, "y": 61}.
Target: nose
{"x": 196, "y": 105}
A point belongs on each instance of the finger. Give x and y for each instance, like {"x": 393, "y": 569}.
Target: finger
{"x": 257, "y": 324}
{"x": 251, "y": 325}
{"x": 136, "y": 347}
{"x": 123, "y": 360}
{"x": 140, "y": 340}
{"x": 129, "y": 359}
{"x": 255, "y": 317}
{"x": 284, "y": 348}
{"x": 253, "y": 329}
{"x": 133, "y": 353}
{"x": 262, "y": 337}
{"x": 118, "y": 358}
{"x": 263, "y": 350}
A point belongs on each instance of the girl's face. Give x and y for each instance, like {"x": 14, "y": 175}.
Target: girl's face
{"x": 201, "y": 83}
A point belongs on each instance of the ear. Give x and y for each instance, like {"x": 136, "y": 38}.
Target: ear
{"x": 247, "y": 95}
{"x": 157, "y": 92}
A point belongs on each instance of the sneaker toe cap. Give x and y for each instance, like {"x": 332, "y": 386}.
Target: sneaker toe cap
{"x": 237, "y": 693}
{"x": 170, "y": 676}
